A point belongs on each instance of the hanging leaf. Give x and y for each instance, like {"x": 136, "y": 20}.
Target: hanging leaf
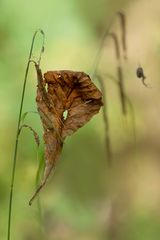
{"x": 68, "y": 93}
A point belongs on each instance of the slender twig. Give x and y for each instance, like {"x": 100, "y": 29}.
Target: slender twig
{"x": 116, "y": 44}
{"x": 106, "y": 122}
{"x": 130, "y": 105}
{"x": 119, "y": 71}
{"x": 114, "y": 37}
{"x": 106, "y": 118}
{"x": 18, "y": 127}
{"x": 97, "y": 60}
{"x": 35, "y": 134}
{"x": 40, "y": 167}
{"x": 123, "y": 34}
{"x": 99, "y": 52}
{"x": 36, "y": 185}
{"x": 24, "y": 115}
{"x": 121, "y": 89}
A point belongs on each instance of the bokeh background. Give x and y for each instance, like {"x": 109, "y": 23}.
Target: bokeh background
{"x": 84, "y": 199}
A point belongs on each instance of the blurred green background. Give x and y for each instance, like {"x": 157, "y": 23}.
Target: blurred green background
{"x": 84, "y": 200}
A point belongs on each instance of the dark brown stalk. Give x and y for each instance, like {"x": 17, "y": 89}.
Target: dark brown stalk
{"x": 130, "y": 105}
{"x": 119, "y": 72}
{"x": 99, "y": 52}
{"x": 121, "y": 89}
{"x": 116, "y": 44}
{"x": 118, "y": 58}
{"x": 35, "y": 134}
{"x": 123, "y": 34}
{"x": 106, "y": 122}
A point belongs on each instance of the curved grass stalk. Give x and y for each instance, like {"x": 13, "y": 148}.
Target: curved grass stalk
{"x": 18, "y": 127}
{"x": 113, "y": 79}
{"x": 106, "y": 34}
{"x": 24, "y": 115}
{"x": 40, "y": 167}
{"x": 122, "y": 17}
{"x": 106, "y": 118}
{"x": 106, "y": 122}
{"x": 99, "y": 52}
{"x": 35, "y": 134}
{"x": 114, "y": 37}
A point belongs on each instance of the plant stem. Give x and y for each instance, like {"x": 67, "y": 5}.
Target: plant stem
{"x": 17, "y": 133}
{"x": 106, "y": 123}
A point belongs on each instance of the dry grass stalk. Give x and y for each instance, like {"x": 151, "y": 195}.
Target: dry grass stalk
{"x": 106, "y": 122}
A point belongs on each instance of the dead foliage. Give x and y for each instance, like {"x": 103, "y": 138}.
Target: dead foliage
{"x": 60, "y": 92}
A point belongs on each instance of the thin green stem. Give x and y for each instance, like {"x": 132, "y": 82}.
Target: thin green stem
{"x": 40, "y": 166}
{"x": 18, "y": 127}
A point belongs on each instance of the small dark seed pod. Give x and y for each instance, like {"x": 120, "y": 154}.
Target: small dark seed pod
{"x": 139, "y": 72}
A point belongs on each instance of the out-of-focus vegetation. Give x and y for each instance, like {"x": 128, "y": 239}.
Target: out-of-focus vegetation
{"x": 84, "y": 199}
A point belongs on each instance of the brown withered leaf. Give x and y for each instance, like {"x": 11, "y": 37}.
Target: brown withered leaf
{"x": 67, "y": 91}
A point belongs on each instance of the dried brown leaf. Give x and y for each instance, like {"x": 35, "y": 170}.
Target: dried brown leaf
{"x": 67, "y": 91}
